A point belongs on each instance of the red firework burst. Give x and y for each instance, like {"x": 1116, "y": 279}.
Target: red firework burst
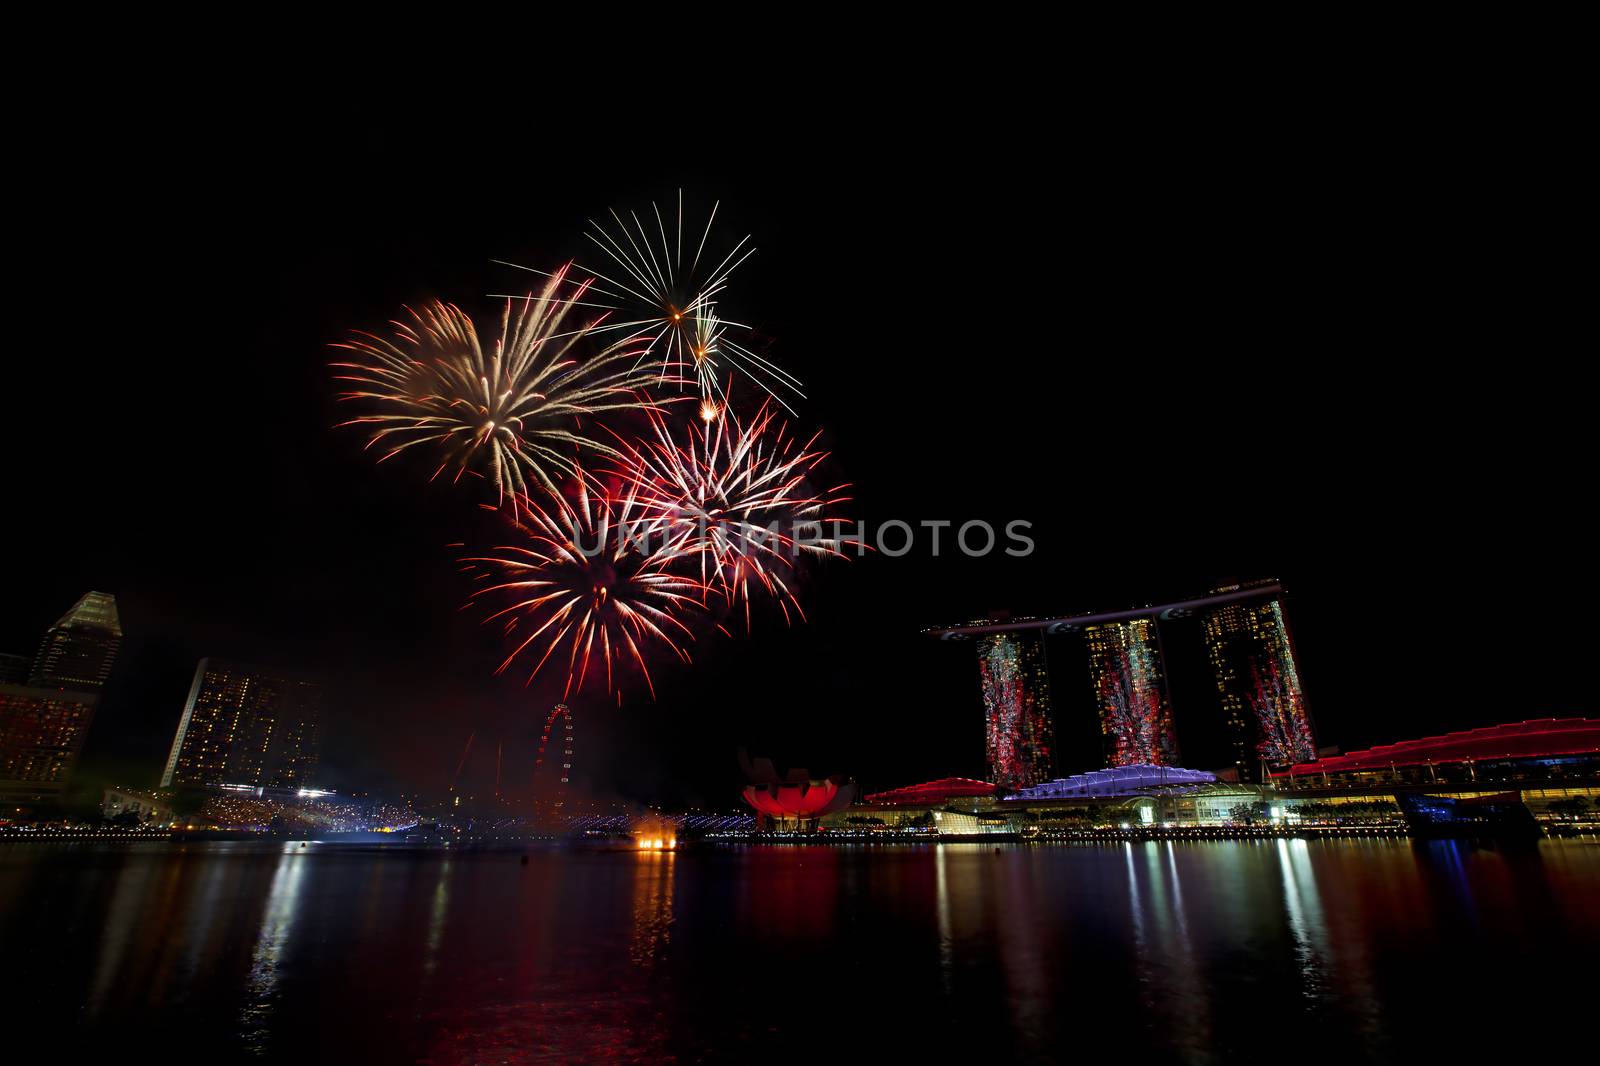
{"x": 585, "y": 580}
{"x": 738, "y": 497}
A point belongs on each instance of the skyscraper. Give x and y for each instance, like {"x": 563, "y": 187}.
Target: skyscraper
{"x": 1016, "y": 705}
{"x": 77, "y": 652}
{"x": 44, "y": 723}
{"x": 1258, "y": 683}
{"x": 41, "y": 733}
{"x": 1130, "y": 687}
{"x": 244, "y": 725}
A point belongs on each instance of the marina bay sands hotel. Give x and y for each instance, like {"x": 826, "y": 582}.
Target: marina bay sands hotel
{"x": 1259, "y": 721}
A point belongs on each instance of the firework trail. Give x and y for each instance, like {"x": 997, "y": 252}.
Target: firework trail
{"x": 512, "y": 415}
{"x": 736, "y": 496}
{"x": 664, "y": 283}
{"x": 587, "y": 589}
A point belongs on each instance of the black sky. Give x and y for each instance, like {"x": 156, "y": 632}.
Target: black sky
{"x": 1312, "y": 340}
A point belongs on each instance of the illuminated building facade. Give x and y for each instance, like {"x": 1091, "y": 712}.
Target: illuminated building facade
{"x": 77, "y": 652}
{"x": 1130, "y": 686}
{"x": 795, "y": 800}
{"x": 1540, "y": 750}
{"x": 1018, "y": 741}
{"x": 44, "y": 722}
{"x": 1263, "y": 705}
{"x": 798, "y": 802}
{"x": 932, "y": 793}
{"x": 245, "y": 726}
{"x": 41, "y": 733}
{"x": 1262, "y": 720}
{"x": 1116, "y": 782}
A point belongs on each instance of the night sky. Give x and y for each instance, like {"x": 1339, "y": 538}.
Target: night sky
{"x": 1186, "y": 350}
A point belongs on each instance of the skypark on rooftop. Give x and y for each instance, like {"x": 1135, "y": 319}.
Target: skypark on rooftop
{"x": 1073, "y": 623}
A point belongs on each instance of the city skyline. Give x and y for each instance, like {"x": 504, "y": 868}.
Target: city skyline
{"x": 247, "y": 734}
{"x": 252, "y": 728}
{"x": 252, "y": 529}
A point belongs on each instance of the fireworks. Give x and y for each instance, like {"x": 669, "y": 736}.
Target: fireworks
{"x": 665, "y": 285}
{"x": 505, "y": 416}
{"x": 604, "y": 575}
{"x": 588, "y": 589}
{"x": 737, "y": 497}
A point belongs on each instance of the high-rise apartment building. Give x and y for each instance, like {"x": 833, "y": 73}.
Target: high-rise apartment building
{"x": 244, "y": 725}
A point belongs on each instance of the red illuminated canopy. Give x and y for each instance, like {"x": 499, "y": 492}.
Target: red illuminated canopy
{"x": 1519, "y": 740}
{"x": 933, "y": 792}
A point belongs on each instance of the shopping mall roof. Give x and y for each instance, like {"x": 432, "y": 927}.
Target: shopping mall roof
{"x": 1541, "y": 737}
{"x": 932, "y": 793}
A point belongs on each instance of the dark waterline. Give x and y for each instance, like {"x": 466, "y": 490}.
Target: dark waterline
{"x": 1302, "y": 951}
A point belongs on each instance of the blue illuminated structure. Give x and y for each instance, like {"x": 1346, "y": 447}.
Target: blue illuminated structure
{"x": 1117, "y": 781}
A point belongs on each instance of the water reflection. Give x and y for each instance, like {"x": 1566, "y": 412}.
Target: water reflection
{"x": 1024, "y": 939}
{"x": 1445, "y": 865}
{"x": 277, "y": 924}
{"x": 1196, "y": 951}
{"x": 1136, "y": 907}
{"x": 200, "y": 921}
{"x": 436, "y": 917}
{"x": 947, "y": 945}
{"x": 652, "y": 907}
{"x": 1184, "y": 1001}
{"x": 1305, "y": 916}
{"x": 122, "y": 918}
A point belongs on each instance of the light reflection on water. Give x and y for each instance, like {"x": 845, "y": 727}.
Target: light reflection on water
{"x": 121, "y": 919}
{"x": 1305, "y": 916}
{"x": 436, "y": 917}
{"x": 277, "y": 923}
{"x": 1198, "y": 951}
{"x": 947, "y": 948}
{"x": 652, "y": 907}
{"x": 1183, "y": 982}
